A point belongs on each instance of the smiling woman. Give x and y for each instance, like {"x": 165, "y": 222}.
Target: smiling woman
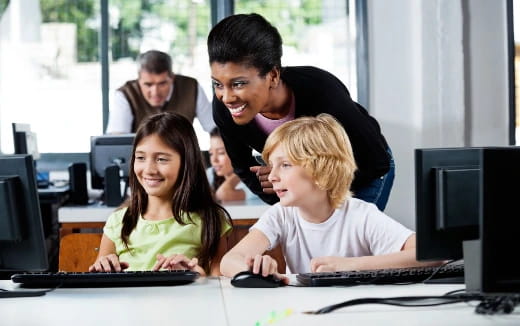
{"x": 254, "y": 95}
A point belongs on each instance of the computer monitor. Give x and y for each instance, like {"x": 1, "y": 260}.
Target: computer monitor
{"x": 22, "y": 241}
{"x": 24, "y": 140}
{"x": 447, "y": 201}
{"x": 500, "y": 220}
{"x": 106, "y": 151}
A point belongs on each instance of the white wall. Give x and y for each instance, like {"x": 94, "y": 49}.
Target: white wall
{"x": 437, "y": 79}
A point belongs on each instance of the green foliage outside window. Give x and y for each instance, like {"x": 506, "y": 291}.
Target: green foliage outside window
{"x": 3, "y": 5}
{"x": 191, "y": 21}
{"x": 289, "y": 17}
{"x": 83, "y": 13}
{"x": 131, "y": 20}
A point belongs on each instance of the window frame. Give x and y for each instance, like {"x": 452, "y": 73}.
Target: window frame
{"x": 219, "y": 10}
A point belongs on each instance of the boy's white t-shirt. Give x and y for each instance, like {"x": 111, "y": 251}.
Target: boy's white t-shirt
{"x": 355, "y": 229}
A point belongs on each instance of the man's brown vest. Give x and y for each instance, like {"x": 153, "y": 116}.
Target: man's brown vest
{"x": 183, "y": 100}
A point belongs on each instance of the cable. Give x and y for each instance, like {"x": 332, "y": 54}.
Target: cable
{"x": 408, "y": 301}
{"x": 455, "y": 291}
{"x": 489, "y": 304}
{"x": 504, "y": 304}
{"x": 438, "y": 269}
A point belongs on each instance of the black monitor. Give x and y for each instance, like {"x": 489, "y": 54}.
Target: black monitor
{"x": 106, "y": 151}
{"x": 24, "y": 140}
{"x": 447, "y": 201}
{"x": 500, "y": 220}
{"x": 22, "y": 241}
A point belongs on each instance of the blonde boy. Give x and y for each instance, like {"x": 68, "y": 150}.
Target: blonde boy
{"x": 318, "y": 224}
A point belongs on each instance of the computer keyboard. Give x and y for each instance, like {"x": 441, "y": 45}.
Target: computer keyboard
{"x": 109, "y": 279}
{"x": 438, "y": 274}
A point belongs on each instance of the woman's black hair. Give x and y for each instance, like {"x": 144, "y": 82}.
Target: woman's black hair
{"x": 192, "y": 193}
{"x": 247, "y": 39}
{"x": 217, "y": 179}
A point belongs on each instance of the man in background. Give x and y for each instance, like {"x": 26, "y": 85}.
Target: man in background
{"x": 157, "y": 89}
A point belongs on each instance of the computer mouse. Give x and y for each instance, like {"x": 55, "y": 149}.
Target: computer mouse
{"x": 248, "y": 279}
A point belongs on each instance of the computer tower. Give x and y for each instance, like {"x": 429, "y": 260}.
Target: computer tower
{"x": 78, "y": 183}
{"x": 113, "y": 195}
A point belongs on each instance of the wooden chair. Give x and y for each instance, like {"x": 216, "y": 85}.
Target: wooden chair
{"x": 78, "y": 251}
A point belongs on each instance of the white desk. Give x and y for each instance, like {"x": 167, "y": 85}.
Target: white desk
{"x": 246, "y": 306}
{"x": 119, "y": 306}
{"x": 250, "y": 209}
{"x": 243, "y": 214}
{"x": 215, "y": 302}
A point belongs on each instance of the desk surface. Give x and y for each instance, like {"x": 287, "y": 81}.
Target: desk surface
{"x": 250, "y": 209}
{"x": 53, "y": 194}
{"x": 213, "y": 301}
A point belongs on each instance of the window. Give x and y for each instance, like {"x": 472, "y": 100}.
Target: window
{"x": 58, "y": 91}
{"x": 51, "y": 73}
{"x": 317, "y": 33}
{"x": 177, "y": 27}
{"x": 50, "y": 55}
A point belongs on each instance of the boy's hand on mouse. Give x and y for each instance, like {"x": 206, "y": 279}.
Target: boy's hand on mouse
{"x": 108, "y": 263}
{"x": 175, "y": 261}
{"x": 262, "y": 173}
{"x": 265, "y": 265}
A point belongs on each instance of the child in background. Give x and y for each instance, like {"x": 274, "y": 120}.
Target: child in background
{"x": 319, "y": 225}
{"x": 172, "y": 220}
{"x": 226, "y": 184}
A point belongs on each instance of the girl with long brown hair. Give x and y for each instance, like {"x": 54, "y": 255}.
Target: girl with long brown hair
{"x": 172, "y": 220}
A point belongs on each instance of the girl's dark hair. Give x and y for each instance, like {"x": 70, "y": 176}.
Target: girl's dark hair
{"x": 192, "y": 193}
{"x": 217, "y": 179}
{"x": 248, "y": 39}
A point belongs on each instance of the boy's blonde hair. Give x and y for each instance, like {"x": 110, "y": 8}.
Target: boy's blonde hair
{"x": 321, "y": 146}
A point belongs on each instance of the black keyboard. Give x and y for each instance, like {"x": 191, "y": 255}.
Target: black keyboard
{"x": 438, "y": 274}
{"x": 110, "y": 279}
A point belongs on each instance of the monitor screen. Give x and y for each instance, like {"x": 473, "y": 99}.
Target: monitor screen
{"x": 25, "y": 141}
{"x": 109, "y": 150}
{"x": 500, "y": 219}
{"x": 447, "y": 201}
{"x": 22, "y": 242}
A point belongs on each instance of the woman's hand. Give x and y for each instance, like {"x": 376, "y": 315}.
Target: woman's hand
{"x": 176, "y": 261}
{"x": 262, "y": 173}
{"x": 108, "y": 263}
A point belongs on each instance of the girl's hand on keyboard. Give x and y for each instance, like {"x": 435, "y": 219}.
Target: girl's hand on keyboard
{"x": 176, "y": 261}
{"x": 108, "y": 263}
